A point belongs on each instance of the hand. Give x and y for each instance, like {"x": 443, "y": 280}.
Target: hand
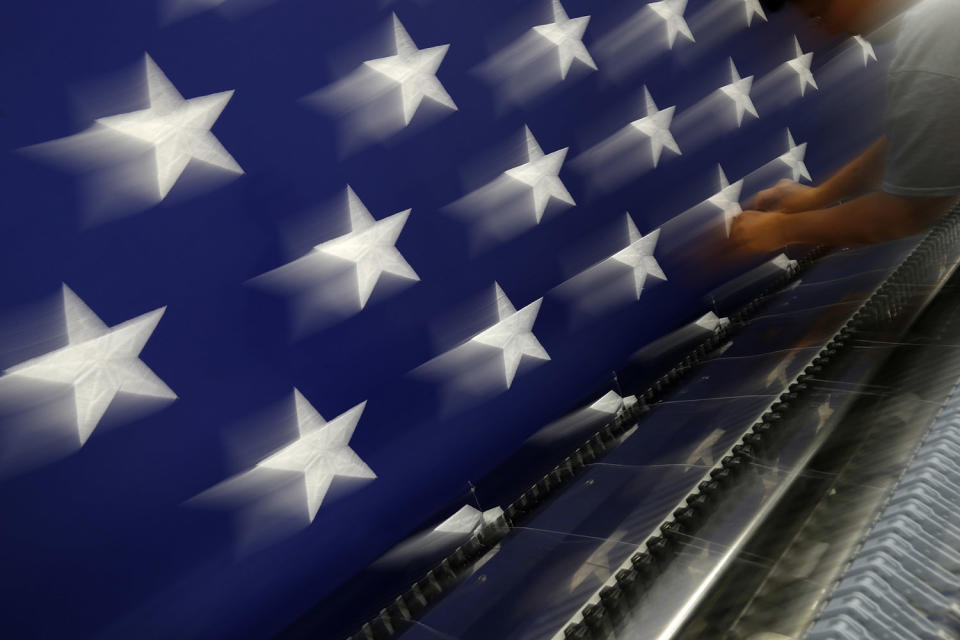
{"x": 786, "y": 196}
{"x": 758, "y": 231}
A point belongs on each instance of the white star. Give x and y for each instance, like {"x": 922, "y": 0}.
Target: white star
{"x": 793, "y": 158}
{"x": 415, "y": 70}
{"x": 801, "y": 64}
{"x": 866, "y": 48}
{"x": 321, "y": 452}
{"x": 611, "y": 403}
{"x": 99, "y": 362}
{"x": 567, "y": 34}
{"x": 178, "y": 129}
{"x": 739, "y": 91}
{"x": 784, "y": 263}
{"x": 468, "y": 520}
{"x": 727, "y": 199}
{"x": 541, "y": 173}
{"x": 711, "y": 321}
{"x": 638, "y": 255}
{"x": 513, "y": 333}
{"x": 671, "y": 12}
{"x": 753, "y": 8}
{"x": 370, "y": 246}
{"x": 656, "y": 126}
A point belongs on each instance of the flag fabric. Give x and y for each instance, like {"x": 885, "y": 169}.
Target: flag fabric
{"x": 283, "y": 279}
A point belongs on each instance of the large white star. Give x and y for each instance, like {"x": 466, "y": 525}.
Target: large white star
{"x": 513, "y": 333}
{"x": 671, "y": 12}
{"x": 656, "y": 126}
{"x": 793, "y": 158}
{"x": 753, "y": 8}
{"x": 801, "y": 64}
{"x": 866, "y": 48}
{"x": 567, "y": 35}
{"x": 99, "y": 362}
{"x": 638, "y": 255}
{"x": 178, "y": 129}
{"x": 415, "y": 70}
{"x": 542, "y": 173}
{"x": 739, "y": 91}
{"x": 727, "y": 199}
{"x": 370, "y": 245}
{"x": 321, "y": 452}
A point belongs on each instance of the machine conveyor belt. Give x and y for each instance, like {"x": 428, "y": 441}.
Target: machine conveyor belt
{"x": 639, "y": 527}
{"x": 903, "y": 583}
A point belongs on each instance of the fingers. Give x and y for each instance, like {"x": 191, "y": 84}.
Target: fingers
{"x": 756, "y": 201}
{"x": 768, "y": 200}
{"x": 772, "y": 199}
{"x": 763, "y": 200}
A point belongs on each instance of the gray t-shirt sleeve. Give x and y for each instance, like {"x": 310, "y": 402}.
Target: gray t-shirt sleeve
{"x": 923, "y": 134}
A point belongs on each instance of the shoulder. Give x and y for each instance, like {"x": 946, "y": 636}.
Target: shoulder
{"x": 928, "y": 39}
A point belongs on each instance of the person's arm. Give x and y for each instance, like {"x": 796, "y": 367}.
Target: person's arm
{"x": 864, "y": 173}
{"x": 875, "y": 217}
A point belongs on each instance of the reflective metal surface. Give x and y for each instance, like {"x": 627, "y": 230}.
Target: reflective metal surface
{"x": 544, "y": 572}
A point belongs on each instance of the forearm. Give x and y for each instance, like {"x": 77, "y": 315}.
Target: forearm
{"x": 861, "y": 175}
{"x": 875, "y": 217}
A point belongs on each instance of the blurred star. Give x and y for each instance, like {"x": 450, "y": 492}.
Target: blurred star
{"x": 513, "y": 333}
{"x": 468, "y": 520}
{"x": 866, "y": 48}
{"x": 638, "y": 255}
{"x": 801, "y": 64}
{"x": 824, "y": 411}
{"x": 794, "y": 159}
{"x": 711, "y": 321}
{"x": 567, "y": 35}
{"x": 541, "y": 173}
{"x": 415, "y": 70}
{"x": 598, "y": 567}
{"x": 739, "y": 91}
{"x": 370, "y": 245}
{"x": 671, "y": 12}
{"x": 703, "y": 455}
{"x": 727, "y": 199}
{"x": 99, "y": 362}
{"x": 611, "y": 402}
{"x": 656, "y": 126}
{"x": 178, "y": 129}
{"x": 321, "y": 452}
{"x": 753, "y": 8}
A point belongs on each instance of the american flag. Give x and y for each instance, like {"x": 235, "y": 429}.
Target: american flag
{"x": 285, "y": 279}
